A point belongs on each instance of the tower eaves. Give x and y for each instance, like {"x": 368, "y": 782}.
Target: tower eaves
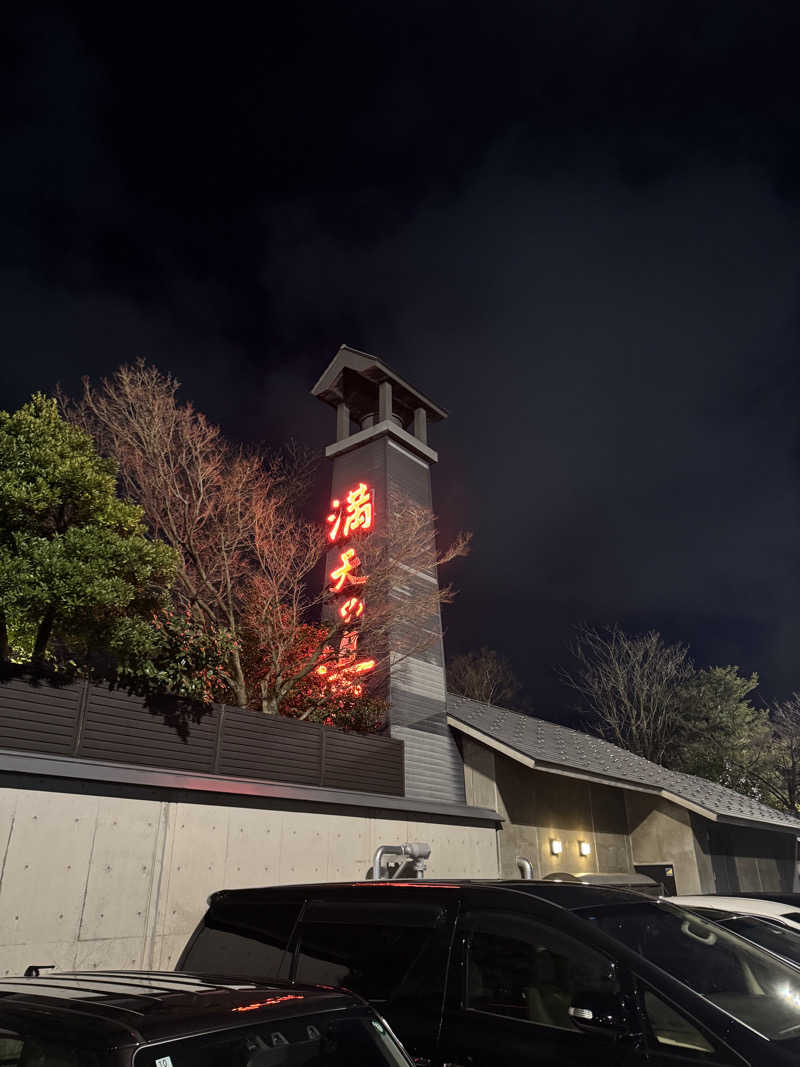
{"x": 352, "y": 377}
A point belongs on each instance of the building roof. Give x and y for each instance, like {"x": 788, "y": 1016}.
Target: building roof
{"x": 550, "y": 747}
{"x": 107, "y": 1008}
{"x": 350, "y": 370}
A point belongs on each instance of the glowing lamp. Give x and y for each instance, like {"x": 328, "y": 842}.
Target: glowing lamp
{"x": 270, "y": 1000}
{"x": 556, "y": 847}
{"x": 584, "y": 848}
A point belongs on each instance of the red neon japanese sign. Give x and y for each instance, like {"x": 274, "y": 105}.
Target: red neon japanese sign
{"x": 355, "y": 516}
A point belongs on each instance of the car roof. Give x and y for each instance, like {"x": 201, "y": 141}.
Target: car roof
{"x": 793, "y": 899}
{"x": 569, "y": 895}
{"x": 110, "y": 1008}
{"x": 743, "y": 905}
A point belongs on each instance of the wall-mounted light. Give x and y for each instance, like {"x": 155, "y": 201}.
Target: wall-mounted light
{"x": 555, "y": 846}
{"x": 584, "y": 848}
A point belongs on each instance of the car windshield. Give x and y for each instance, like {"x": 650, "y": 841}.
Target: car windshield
{"x": 737, "y": 976}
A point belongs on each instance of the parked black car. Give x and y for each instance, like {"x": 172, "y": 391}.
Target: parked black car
{"x": 493, "y": 974}
{"x": 144, "y": 1019}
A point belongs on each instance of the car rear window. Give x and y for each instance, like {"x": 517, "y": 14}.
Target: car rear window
{"x": 244, "y": 936}
{"x": 374, "y": 950}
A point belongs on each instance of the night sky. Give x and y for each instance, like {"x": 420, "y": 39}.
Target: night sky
{"x": 575, "y": 225}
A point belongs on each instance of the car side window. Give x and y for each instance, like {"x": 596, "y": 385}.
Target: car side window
{"x": 670, "y": 1029}
{"x": 527, "y": 970}
{"x": 16, "y": 1051}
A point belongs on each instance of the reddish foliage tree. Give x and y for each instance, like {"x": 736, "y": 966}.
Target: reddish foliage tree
{"x": 325, "y": 694}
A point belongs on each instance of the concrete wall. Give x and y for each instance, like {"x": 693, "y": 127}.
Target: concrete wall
{"x": 741, "y": 859}
{"x": 662, "y": 832}
{"x": 538, "y": 806}
{"x": 95, "y": 880}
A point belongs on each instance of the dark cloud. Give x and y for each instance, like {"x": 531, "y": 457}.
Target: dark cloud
{"x": 575, "y": 225}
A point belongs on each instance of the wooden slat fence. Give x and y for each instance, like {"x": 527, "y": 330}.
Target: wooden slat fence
{"x": 109, "y": 725}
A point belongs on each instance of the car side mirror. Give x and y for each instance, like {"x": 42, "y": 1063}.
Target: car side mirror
{"x": 599, "y": 1013}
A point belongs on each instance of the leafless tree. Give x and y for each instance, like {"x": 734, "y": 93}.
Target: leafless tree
{"x": 632, "y": 687}
{"x": 785, "y": 782}
{"x": 484, "y": 675}
{"x": 197, "y": 492}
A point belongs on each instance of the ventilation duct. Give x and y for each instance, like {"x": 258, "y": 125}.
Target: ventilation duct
{"x": 415, "y": 853}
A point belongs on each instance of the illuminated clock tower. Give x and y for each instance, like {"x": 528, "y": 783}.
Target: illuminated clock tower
{"x": 381, "y": 450}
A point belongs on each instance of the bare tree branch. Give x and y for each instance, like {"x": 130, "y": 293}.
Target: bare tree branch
{"x": 631, "y": 686}
{"x": 485, "y": 676}
{"x": 196, "y": 491}
{"x": 786, "y": 727}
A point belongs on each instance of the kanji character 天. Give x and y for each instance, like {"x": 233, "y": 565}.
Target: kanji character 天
{"x": 342, "y": 574}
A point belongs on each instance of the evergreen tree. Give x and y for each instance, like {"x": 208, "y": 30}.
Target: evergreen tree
{"x": 74, "y": 558}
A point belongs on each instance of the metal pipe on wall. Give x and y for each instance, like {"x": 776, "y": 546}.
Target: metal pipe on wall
{"x": 525, "y": 868}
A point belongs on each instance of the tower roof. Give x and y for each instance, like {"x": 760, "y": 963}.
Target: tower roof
{"x": 354, "y": 377}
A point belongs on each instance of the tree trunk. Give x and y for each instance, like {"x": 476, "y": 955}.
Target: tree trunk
{"x": 43, "y": 633}
{"x": 269, "y": 704}
{"x": 5, "y": 649}
{"x": 239, "y": 684}
{"x": 791, "y": 782}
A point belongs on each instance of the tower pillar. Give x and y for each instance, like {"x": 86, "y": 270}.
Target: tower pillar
{"x": 391, "y": 455}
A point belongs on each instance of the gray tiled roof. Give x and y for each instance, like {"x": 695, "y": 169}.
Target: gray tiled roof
{"x": 550, "y": 744}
